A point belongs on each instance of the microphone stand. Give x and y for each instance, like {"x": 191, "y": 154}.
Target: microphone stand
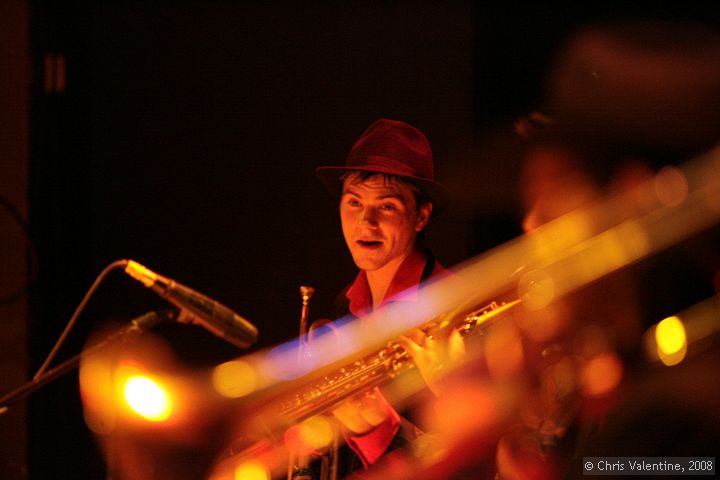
{"x": 137, "y": 326}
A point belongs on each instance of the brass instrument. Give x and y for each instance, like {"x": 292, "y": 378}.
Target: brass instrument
{"x": 376, "y": 369}
{"x": 306, "y": 294}
{"x": 324, "y": 393}
{"x": 298, "y": 465}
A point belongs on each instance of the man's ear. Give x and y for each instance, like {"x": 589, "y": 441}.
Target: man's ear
{"x": 423, "y": 216}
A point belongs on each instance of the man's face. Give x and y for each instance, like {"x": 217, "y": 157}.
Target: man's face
{"x": 380, "y": 220}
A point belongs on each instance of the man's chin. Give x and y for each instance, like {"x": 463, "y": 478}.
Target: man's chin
{"x": 368, "y": 263}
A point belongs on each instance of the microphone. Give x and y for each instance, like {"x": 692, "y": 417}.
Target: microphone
{"x": 202, "y": 310}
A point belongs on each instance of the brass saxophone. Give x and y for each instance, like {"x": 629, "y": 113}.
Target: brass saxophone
{"x": 378, "y": 368}
{"x": 324, "y": 393}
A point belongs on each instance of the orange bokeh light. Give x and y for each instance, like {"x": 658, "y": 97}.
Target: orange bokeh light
{"x": 601, "y": 374}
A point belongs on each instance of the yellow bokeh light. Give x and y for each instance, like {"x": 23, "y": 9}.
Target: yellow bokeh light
{"x": 536, "y": 289}
{"x": 671, "y": 340}
{"x": 317, "y": 432}
{"x": 560, "y": 235}
{"x": 311, "y": 435}
{"x": 147, "y": 398}
{"x": 252, "y": 470}
{"x": 234, "y": 379}
{"x": 670, "y": 335}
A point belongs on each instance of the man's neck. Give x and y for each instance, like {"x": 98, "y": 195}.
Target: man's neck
{"x": 379, "y": 280}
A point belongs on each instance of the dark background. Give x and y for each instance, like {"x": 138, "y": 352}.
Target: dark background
{"x": 186, "y": 137}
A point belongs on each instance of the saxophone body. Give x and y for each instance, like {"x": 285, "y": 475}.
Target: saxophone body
{"x": 324, "y": 393}
{"x": 378, "y": 368}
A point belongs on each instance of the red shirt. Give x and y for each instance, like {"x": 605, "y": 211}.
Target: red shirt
{"x": 372, "y": 445}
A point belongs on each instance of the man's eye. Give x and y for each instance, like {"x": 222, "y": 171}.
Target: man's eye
{"x": 388, "y": 207}
{"x": 353, "y": 202}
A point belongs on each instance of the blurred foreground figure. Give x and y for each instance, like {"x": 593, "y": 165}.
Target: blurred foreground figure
{"x": 625, "y": 101}
{"x": 653, "y": 109}
{"x": 573, "y": 378}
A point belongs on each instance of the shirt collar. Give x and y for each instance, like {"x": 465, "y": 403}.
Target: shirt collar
{"x": 406, "y": 280}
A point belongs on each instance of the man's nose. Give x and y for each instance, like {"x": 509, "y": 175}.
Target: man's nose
{"x": 369, "y": 216}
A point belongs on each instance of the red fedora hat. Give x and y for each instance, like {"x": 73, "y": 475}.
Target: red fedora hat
{"x": 391, "y": 147}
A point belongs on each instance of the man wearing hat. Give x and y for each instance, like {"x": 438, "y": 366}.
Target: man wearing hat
{"x": 387, "y": 196}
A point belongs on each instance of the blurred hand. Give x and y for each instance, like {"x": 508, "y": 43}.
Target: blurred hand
{"x": 364, "y": 412}
{"x": 433, "y": 357}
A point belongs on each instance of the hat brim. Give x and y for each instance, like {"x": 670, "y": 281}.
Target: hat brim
{"x": 438, "y": 194}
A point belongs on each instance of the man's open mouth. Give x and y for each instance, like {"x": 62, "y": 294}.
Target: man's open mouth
{"x": 369, "y": 243}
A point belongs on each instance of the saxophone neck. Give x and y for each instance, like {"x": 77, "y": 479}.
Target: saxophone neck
{"x": 483, "y": 317}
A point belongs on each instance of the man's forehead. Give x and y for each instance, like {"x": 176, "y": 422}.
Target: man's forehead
{"x": 375, "y": 183}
